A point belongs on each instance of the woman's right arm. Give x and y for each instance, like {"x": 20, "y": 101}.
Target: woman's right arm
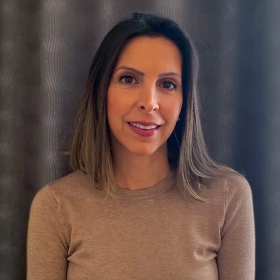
{"x": 47, "y": 244}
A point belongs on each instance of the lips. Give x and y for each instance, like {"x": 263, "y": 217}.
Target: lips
{"x": 143, "y": 128}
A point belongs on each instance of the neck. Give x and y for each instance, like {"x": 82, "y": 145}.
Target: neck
{"x": 135, "y": 172}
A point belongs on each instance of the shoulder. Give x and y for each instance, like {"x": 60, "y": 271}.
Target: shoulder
{"x": 74, "y": 186}
{"x": 231, "y": 184}
{"x": 229, "y": 198}
{"x": 66, "y": 200}
{"x": 228, "y": 189}
{"x": 237, "y": 187}
{"x": 72, "y": 181}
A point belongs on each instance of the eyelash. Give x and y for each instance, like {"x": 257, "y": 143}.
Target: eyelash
{"x": 126, "y": 76}
{"x": 174, "y": 86}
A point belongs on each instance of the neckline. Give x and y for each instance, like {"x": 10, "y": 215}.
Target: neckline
{"x": 162, "y": 186}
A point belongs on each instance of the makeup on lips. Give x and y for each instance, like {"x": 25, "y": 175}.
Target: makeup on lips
{"x": 145, "y": 129}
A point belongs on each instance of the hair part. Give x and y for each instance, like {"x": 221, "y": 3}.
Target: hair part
{"x": 90, "y": 149}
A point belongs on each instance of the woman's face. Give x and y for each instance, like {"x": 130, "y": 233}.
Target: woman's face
{"x": 145, "y": 95}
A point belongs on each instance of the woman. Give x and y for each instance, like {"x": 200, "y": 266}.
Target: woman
{"x": 145, "y": 201}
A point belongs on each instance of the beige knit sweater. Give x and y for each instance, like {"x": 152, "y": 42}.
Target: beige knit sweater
{"x": 75, "y": 233}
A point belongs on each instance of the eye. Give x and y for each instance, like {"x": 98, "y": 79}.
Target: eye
{"x": 168, "y": 85}
{"x": 126, "y": 79}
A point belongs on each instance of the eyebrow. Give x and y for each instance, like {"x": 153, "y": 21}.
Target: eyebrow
{"x": 169, "y": 74}
{"x": 143, "y": 74}
{"x": 130, "y": 69}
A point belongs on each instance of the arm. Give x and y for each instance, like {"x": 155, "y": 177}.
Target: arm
{"x": 46, "y": 243}
{"x": 236, "y": 257}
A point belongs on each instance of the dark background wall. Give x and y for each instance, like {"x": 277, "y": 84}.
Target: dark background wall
{"x": 46, "y": 48}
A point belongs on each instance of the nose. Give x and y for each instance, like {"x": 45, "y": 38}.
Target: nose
{"x": 148, "y": 100}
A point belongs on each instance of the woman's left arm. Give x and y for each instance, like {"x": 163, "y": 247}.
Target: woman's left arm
{"x": 236, "y": 256}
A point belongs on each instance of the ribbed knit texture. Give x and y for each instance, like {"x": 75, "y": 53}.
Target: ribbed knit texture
{"x": 76, "y": 233}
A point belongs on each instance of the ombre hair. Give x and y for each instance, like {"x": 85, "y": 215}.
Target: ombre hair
{"x": 90, "y": 150}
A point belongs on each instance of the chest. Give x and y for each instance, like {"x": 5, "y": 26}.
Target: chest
{"x": 143, "y": 241}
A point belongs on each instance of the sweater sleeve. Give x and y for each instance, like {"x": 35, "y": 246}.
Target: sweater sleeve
{"x": 236, "y": 256}
{"x": 46, "y": 242}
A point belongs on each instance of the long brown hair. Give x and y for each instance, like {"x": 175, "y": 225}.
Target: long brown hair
{"x": 90, "y": 149}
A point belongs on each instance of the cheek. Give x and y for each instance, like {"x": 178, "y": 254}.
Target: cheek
{"x": 117, "y": 105}
{"x": 111, "y": 106}
{"x": 114, "y": 104}
{"x": 173, "y": 110}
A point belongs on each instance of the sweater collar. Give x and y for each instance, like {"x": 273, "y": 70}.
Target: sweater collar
{"x": 149, "y": 192}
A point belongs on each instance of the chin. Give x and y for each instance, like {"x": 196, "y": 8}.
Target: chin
{"x": 142, "y": 151}
{"x": 146, "y": 150}
{"x": 139, "y": 148}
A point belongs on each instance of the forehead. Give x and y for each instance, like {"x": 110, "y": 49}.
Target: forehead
{"x": 146, "y": 50}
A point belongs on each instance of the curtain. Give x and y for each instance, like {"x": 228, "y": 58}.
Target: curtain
{"x": 46, "y": 48}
